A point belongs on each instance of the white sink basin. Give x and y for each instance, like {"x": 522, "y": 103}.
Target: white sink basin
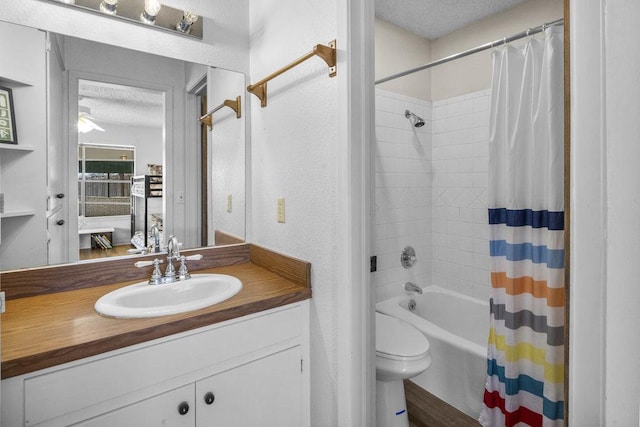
{"x": 145, "y": 300}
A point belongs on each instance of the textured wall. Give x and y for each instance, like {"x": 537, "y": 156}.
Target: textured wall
{"x": 294, "y": 155}
{"x": 622, "y": 103}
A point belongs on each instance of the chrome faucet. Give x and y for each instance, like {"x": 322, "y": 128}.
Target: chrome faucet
{"x": 173, "y": 247}
{"x": 173, "y": 252}
{"x": 155, "y": 234}
{"x": 412, "y": 288}
{"x": 170, "y": 274}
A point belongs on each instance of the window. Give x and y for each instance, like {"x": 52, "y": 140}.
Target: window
{"x": 104, "y": 179}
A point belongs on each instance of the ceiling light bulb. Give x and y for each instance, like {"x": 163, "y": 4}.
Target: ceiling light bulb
{"x": 67, "y": 1}
{"x": 151, "y": 10}
{"x": 109, "y": 6}
{"x": 188, "y": 18}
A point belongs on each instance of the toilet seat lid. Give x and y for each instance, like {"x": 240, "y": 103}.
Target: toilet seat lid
{"x": 398, "y": 339}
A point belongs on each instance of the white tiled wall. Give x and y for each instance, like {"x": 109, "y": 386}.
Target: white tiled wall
{"x": 459, "y": 212}
{"x": 431, "y": 192}
{"x": 402, "y": 213}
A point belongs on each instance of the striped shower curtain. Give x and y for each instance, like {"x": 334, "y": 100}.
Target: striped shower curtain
{"x": 525, "y": 366}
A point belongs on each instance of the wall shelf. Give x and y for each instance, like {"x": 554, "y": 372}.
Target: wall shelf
{"x": 16, "y": 147}
{"x": 14, "y": 82}
{"x": 17, "y": 214}
{"x": 23, "y": 166}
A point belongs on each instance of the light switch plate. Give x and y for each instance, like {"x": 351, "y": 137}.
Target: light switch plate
{"x": 281, "y": 209}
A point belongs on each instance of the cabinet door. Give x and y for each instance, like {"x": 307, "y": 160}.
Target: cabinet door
{"x": 58, "y": 238}
{"x": 264, "y": 392}
{"x": 175, "y": 408}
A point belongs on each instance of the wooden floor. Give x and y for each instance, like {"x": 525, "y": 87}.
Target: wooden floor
{"x": 426, "y": 410}
{"x": 104, "y": 253}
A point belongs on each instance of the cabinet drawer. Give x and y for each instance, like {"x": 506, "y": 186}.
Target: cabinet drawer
{"x": 83, "y": 384}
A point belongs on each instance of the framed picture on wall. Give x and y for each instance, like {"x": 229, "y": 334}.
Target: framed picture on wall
{"x": 7, "y": 117}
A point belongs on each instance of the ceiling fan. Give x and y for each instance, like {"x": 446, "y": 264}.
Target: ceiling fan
{"x": 86, "y": 121}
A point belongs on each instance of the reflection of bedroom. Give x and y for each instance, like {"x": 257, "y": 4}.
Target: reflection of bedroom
{"x": 120, "y": 135}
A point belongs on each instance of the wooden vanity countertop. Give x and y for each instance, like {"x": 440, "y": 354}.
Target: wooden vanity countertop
{"x": 47, "y": 330}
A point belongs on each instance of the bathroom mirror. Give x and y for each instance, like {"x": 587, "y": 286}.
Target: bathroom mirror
{"x": 148, "y": 108}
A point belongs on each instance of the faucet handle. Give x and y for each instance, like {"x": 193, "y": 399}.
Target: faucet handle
{"x": 156, "y": 276}
{"x": 183, "y": 273}
{"x": 140, "y": 264}
{"x": 408, "y": 257}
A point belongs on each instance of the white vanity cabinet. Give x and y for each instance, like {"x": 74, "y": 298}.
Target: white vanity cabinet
{"x": 264, "y": 392}
{"x": 243, "y": 372}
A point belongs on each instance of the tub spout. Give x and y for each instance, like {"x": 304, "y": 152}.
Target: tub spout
{"x": 412, "y": 288}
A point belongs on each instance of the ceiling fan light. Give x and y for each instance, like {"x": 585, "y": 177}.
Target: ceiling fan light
{"x": 85, "y": 124}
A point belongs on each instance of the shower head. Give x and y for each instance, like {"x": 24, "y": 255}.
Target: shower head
{"x": 415, "y": 120}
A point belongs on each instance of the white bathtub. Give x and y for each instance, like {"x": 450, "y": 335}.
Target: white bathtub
{"x": 457, "y": 327}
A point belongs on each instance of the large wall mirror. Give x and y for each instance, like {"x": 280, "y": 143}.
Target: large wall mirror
{"x": 128, "y": 160}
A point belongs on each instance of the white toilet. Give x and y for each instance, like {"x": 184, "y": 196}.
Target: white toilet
{"x": 402, "y": 352}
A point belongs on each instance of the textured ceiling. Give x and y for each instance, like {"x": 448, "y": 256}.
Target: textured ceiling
{"x": 432, "y": 19}
{"x": 122, "y": 105}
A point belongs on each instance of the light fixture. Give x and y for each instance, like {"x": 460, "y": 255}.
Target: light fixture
{"x": 67, "y": 1}
{"x": 188, "y": 19}
{"x": 85, "y": 121}
{"x": 151, "y": 10}
{"x": 109, "y": 7}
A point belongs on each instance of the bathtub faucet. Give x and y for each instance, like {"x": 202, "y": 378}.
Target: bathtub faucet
{"x": 412, "y": 288}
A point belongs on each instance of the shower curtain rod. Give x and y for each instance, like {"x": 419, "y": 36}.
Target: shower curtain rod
{"x": 471, "y": 51}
